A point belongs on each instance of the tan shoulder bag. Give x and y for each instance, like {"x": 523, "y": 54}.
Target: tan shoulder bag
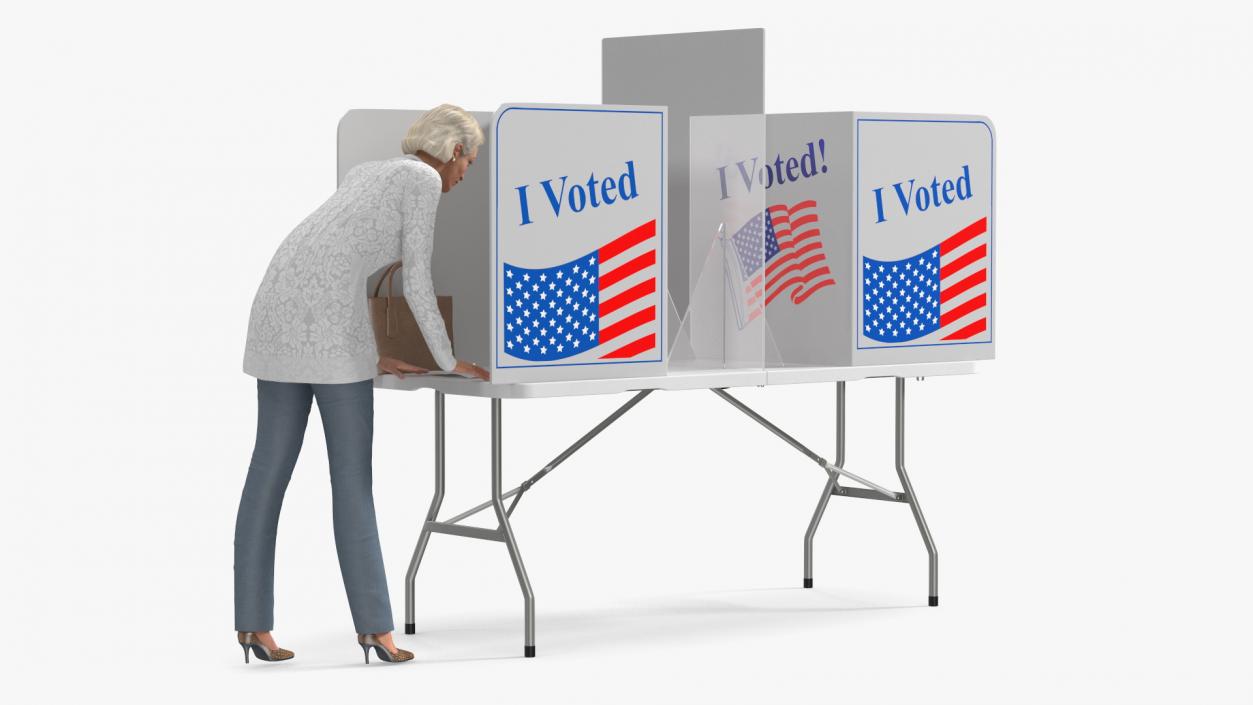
{"x": 396, "y": 332}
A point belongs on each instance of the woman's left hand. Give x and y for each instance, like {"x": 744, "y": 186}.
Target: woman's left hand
{"x": 390, "y": 365}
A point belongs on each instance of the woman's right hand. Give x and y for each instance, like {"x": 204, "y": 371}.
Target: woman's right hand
{"x": 469, "y": 369}
{"x": 390, "y": 365}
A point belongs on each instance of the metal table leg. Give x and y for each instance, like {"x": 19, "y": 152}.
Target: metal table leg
{"x": 431, "y": 514}
{"x": 869, "y": 490}
{"x": 504, "y": 532}
{"x": 833, "y": 483}
{"x": 505, "y": 528}
{"x": 934, "y": 577}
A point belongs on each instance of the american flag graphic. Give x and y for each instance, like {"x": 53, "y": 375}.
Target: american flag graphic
{"x": 942, "y": 291}
{"x": 788, "y": 240}
{"x": 603, "y": 302}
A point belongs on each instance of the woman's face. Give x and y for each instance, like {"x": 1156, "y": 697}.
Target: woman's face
{"x": 455, "y": 169}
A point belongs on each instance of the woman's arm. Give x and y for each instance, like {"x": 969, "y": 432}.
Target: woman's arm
{"x": 421, "y": 198}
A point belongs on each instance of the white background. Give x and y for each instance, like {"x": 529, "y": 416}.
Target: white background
{"x": 1088, "y": 490}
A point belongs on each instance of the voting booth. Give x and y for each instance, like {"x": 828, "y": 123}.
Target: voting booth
{"x": 841, "y": 238}
{"x": 801, "y": 240}
{"x": 553, "y": 246}
{"x": 678, "y": 236}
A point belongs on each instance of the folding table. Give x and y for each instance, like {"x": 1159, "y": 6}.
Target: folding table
{"x": 715, "y": 380}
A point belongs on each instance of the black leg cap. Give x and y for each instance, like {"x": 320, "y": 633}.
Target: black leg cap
{"x": 809, "y": 582}
{"x": 933, "y": 601}
{"x": 529, "y": 652}
{"x": 410, "y": 629}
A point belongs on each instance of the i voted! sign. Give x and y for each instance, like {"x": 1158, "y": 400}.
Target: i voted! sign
{"x": 578, "y": 241}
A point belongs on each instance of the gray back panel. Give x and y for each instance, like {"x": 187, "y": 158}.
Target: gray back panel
{"x": 697, "y": 73}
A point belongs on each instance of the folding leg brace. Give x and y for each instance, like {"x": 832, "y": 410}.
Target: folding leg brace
{"x": 836, "y": 469}
{"x": 504, "y": 532}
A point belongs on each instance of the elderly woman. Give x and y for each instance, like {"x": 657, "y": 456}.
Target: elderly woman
{"x": 309, "y": 336}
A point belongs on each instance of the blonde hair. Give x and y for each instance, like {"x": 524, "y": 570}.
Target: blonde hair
{"x": 441, "y": 129}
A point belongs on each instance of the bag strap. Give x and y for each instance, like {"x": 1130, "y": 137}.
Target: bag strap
{"x": 388, "y": 275}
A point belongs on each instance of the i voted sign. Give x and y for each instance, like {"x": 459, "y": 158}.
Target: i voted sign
{"x": 922, "y": 197}
{"x": 574, "y": 197}
{"x": 578, "y": 241}
{"x": 924, "y": 232}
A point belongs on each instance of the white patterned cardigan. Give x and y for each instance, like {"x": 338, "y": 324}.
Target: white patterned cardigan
{"x": 310, "y": 320}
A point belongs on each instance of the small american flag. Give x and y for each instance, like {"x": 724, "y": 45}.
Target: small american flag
{"x": 601, "y": 302}
{"x": 791, "y": 248}
{"x": 941, "y": 292}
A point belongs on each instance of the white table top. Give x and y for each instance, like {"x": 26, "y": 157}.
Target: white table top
{"x": 678, "y": 378}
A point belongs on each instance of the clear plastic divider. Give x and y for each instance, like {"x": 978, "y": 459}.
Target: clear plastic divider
{"x": 724, "y": 325}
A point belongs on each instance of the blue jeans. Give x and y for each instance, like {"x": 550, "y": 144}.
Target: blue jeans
{"x": 347, "y": 412}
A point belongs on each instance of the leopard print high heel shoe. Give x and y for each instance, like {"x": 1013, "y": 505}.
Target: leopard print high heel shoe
{"x": 368, "y": 641}
{"x": 249, "y": 642}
